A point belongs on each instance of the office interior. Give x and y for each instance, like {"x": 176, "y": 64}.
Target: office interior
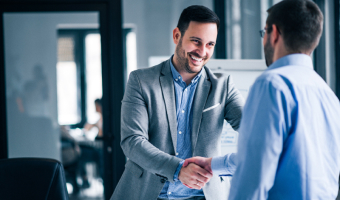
{"x": 59, "y": 57}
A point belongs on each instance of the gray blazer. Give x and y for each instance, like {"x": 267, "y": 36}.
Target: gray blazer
{"x": 149, "y": 130}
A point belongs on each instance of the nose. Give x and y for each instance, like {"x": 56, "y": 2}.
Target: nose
{"x": 202, "y": 51}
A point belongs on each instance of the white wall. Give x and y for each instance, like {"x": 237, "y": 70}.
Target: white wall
{"x": 30, "y": 40}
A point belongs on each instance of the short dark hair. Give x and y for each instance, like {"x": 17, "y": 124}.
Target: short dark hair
{"x": 196, "y": 13}
{"x": 300, "y": 23}
{"x": 98, "y": 101}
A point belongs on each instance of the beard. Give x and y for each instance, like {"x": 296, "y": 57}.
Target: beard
{"x": 268, "y": 52}
{"x": 184, "y": 61}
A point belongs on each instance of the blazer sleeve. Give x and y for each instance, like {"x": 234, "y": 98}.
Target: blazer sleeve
{"x": 234, "y": 104}
{"x": 134, "y": 134}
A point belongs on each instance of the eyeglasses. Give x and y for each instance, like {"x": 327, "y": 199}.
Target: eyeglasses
{"x": 262, "y": 32}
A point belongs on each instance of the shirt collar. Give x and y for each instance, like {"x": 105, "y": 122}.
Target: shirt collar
{"x": 293, "y": 59}
{"x": 177, "y": 77}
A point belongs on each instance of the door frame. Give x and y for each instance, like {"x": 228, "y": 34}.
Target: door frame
{"x": 113, "y": 74}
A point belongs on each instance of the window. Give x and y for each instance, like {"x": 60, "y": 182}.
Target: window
{"x": 79, "y": 78}
{"x": 244, "y": 19}
{"x": 68, "y": 111}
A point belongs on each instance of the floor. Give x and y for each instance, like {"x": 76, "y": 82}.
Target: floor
{"x": 95, "y": 189}
{"x": 94, "y": 192}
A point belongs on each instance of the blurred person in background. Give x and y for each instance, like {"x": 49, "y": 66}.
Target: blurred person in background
{"x": 99, "y": 123}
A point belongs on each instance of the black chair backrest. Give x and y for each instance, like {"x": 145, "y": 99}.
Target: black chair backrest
{"x": 32, "y": 178}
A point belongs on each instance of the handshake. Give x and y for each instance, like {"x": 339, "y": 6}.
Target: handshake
{"x": 196, "y": 172}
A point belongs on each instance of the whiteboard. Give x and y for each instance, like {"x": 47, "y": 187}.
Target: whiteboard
{"x": 244, "y": 74}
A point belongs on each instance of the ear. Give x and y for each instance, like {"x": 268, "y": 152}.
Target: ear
{"x": 275, "y": 35}
{"x": 176, "y": 35}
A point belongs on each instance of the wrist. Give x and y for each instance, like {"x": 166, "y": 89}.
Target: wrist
{"x": 178, "y": 170}
{"x": 208, "y": 165}
{"x": 209, "y": 161}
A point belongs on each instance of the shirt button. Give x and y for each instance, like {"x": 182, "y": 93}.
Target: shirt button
{"x": 179, "y": 77}
{"x": 182, "y": 111}
{"x": 176, "y": 79}
{"x": 169, "y": 193}
{"x": 180, "y": 132}
{"x": 176, "y": 154}
{"x": 185, "y": 89}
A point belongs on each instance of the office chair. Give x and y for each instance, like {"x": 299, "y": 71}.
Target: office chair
{"x": 32, "y": 178}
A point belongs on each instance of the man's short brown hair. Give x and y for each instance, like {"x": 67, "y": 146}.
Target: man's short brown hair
{"x": 300, "y": 23}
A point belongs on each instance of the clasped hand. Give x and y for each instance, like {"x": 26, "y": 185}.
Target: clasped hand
{"x": 196, "y": 172}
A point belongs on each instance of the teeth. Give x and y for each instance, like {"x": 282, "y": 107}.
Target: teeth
{"x": 197, "y": 59}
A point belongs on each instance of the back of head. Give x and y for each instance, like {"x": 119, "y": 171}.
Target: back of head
{"x": 196, "y": 13}
{"x": 300, "y": 23}
{"x": 98, "y": 101}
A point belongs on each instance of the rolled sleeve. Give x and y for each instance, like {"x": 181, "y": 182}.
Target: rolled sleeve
{"x": 224, "y": 165}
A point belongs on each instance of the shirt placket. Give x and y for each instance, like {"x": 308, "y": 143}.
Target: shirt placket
{"x": 181, "y": 131}
{"x": 183, "y": 123}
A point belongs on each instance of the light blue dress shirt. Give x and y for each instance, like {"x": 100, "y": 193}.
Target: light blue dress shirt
{"x": 289, "y": 141}
{"x": 184, "y": 99}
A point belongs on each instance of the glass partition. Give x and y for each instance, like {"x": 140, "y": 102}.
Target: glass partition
{"x": 52, "y": 80}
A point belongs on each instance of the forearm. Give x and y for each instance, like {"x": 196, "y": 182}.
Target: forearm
{"x": 135, "y": 133}
{"x": 150, "y": 158}
{"x": 224, "y": 165}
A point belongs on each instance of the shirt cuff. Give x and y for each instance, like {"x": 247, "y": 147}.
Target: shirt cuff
{"x": 217, "y": 165}
{"x": 177, "y": 170}
{"x": 224, "y": 165}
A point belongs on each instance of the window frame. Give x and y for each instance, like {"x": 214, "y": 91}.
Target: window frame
{"x": 337, "y": 46}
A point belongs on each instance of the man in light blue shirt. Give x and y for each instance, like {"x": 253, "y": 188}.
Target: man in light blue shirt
{"x": 289, "y": 142}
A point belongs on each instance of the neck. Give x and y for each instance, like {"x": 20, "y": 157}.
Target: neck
{"x": 281, "y": 51}
{"x": 186, "y": 76}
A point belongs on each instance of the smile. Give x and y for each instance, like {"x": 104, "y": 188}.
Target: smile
{"x": 195, "y": 58}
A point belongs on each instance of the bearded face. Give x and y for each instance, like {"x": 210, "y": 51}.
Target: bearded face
{"x": 183, "y": 59}
{"x": 195, "y": 47}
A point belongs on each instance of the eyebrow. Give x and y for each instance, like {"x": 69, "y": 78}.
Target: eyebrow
{"x": 197, "y": 38}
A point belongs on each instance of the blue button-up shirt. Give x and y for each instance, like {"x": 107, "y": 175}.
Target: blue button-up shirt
{"x": 289, "y": 141}
{"x": 184, "y": 99}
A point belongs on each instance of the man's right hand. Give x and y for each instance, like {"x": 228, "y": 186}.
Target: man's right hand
{"x": 201, "y": 161}
{"x": 193, "y": 176}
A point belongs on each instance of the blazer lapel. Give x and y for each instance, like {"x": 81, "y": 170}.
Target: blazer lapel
{"x": 200, "y": 99}
{"x": 168, "y": 91}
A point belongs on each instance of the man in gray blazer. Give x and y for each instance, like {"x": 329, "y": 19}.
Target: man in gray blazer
{"x": 176, "y": 110}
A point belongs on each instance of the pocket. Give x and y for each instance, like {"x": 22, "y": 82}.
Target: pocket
{"x": 134, "y": 168}
{"x": 212, "y": 107}
{"x": 212, "y": 111}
